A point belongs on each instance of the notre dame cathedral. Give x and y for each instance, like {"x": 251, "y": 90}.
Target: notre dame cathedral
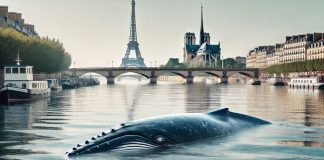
{"x": 202, "y": 54}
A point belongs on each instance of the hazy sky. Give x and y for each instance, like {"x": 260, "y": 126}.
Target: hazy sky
{"x": 96, "y": 32}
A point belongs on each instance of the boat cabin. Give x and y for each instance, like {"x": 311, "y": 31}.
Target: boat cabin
{"x": 22, "y": 77}
{"x": 18, "y": 73}
{"x": 312, "y": 80}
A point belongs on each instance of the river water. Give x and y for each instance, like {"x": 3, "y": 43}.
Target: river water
{"x": 46, "y": 129}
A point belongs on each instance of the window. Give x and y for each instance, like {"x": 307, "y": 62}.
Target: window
{"x": 8, "y": 70}
{"x": 24, "y": 85}
{"x": 15, "y": 70}
{"x": 23, "y": 70}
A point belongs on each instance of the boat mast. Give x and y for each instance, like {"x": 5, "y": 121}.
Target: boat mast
{"x": 18, "y": 59}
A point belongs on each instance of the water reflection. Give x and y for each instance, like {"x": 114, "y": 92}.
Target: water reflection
{"x": 131, "y": 96}
{"x": 198, "y": 98}
{"x": 19, "y": 117}
{"x": 53, "y": 126}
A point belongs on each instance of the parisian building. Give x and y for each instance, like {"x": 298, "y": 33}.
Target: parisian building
{"x": 251, "y": 59}
{"x": 258, "y": 57}
{"x": 14, "y": 20}
{"x": 295, "y": 48}
{"x": 241, "y": 60}
{"x": 192, "y": 49}
{"x": 316, "y": 50}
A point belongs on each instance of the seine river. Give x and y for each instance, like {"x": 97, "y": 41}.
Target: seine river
{"x": 46, "y": 129}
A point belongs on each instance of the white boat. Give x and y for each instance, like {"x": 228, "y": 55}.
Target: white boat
{"x": 254, "y": 82}
{"x": 19, "y": 85}
{"x": 278, "y": 81}
{"x": 54, "y": 85}
{"x": 307, "y": 82}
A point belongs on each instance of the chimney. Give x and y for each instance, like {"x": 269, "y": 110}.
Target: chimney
{"x": 3, "y": 11}
{"x": 317, "y": 36}
{"x": 18, "y": 17}
{"x": 12, "y": 16}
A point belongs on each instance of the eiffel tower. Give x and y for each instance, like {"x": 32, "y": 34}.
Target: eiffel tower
{"x": 133, "y": 45}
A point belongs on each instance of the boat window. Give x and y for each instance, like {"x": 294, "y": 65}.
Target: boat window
{"x": 22, "y": 70}
{"x": 311, "y": 81}
{"x": 24, "y": 85}
{"x": 14, "y": 70}
{"x": 8, "y": 70}
{"x": 34, "y": 85}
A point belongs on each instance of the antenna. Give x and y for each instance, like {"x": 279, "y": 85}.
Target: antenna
{"x": 18, "y": 59}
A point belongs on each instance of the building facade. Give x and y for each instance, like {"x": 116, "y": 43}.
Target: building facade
{"x": 258, "y": 58}
{"x": 251, "y": 59}
{"x": 241, "y": 60}
{"x": 14, "y": 20}
{"x": 296, "y": 48}
{"x": 202, "y": 53}
{"x": 316, "y": 50}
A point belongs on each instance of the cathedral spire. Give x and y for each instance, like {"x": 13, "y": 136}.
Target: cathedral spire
{"x": 202, "y": 32}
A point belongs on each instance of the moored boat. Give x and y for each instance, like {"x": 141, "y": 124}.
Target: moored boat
{"x": 19, "y": 85}
{"x": 69, "y": 84}
{"x": 307, "y": 82}
{"x": 54, "y": 84}
{"x": 277, "y": 81}
{"x": 254, "y": 82}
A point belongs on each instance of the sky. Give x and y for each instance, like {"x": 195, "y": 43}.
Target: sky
{"x": 95, "y": 32}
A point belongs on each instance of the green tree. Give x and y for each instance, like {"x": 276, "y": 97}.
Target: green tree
{"x": 46, "y": 55}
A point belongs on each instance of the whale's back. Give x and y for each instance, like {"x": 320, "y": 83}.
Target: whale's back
{"x": 195, "y": 126}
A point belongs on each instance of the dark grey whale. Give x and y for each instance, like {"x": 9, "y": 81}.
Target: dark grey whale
{"x": 167, "y": 130}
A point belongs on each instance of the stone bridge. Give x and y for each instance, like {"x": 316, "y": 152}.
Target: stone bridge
{"x": 154, "y": 73}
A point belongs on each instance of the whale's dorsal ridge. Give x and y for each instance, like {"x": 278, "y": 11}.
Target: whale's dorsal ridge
{"x": 223, "y": 111}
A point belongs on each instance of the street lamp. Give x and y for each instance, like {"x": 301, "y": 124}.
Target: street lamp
{"x": 151, "y": 64}
{"x": 112, "y": 64}
{"x": 155, "y": 64}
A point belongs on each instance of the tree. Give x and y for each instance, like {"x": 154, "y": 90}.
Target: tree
{"x": 44, "y": 54}
{"x": 302, "y": 66}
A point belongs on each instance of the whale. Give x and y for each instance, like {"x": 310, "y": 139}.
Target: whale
{"x": 165, "y": 131}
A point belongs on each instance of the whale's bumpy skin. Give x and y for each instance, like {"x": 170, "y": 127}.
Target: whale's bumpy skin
{"x": 167, "y": 130}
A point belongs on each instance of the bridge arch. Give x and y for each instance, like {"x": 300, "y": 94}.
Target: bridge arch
{"x": 121, "y": 73}
{"x": 213, "y": 74}
{"x": 246, "y": 74}
{"x": 182, "y": 75}
{"x": 81, "y": 73}
{"x": 137, "y": 76}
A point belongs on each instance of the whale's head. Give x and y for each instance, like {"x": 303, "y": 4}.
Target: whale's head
{"x": 126, "y": 137}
